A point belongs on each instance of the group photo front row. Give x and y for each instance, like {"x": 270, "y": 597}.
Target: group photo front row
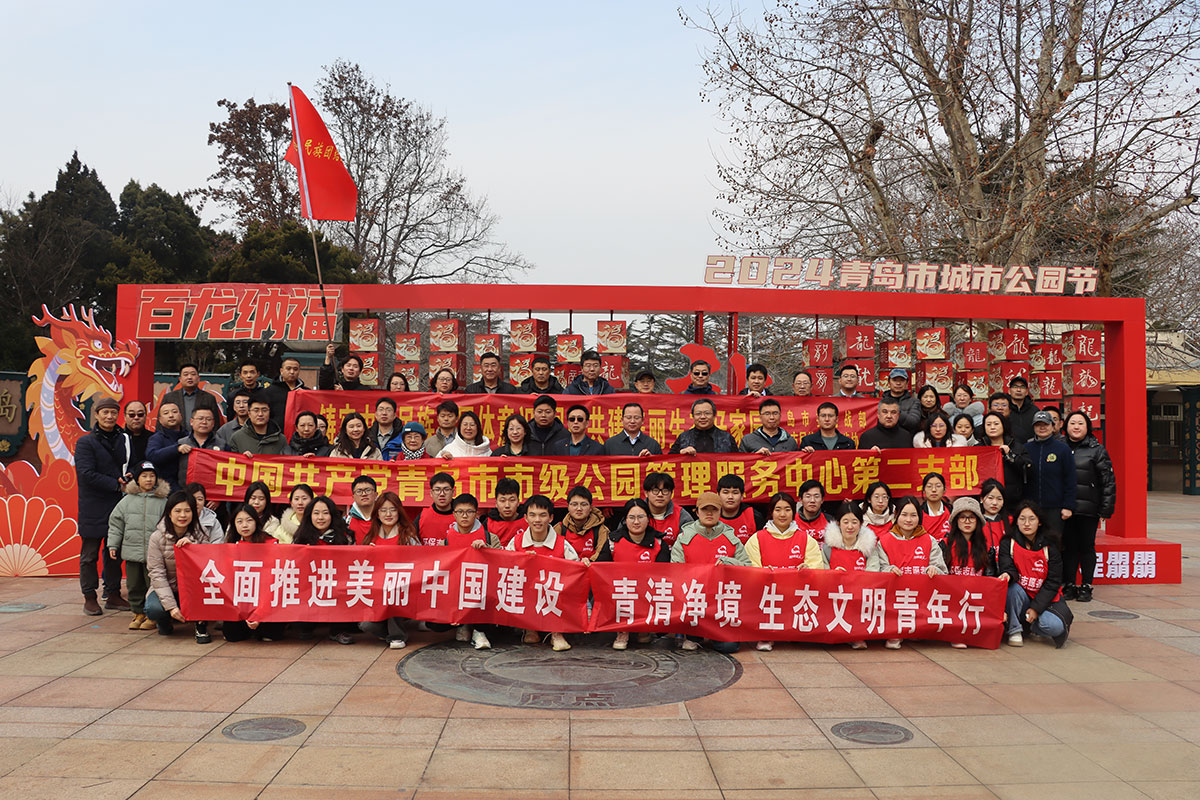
{"x": 1035, "y": 529}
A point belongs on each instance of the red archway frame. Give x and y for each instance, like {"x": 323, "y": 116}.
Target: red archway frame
{"x": 1124, "y": 321}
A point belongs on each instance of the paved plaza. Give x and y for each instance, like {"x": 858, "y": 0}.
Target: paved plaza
{"x": 89, "y": 709}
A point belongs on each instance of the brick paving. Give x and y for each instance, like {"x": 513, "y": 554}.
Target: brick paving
{"x": 89, "y": 709}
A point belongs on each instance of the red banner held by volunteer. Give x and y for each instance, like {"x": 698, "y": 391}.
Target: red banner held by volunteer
{"x": 326, "y": 189}
{"x": 291, "y": 583}
{"x": 666, "y": 415}
{"x": 613, "y": 480}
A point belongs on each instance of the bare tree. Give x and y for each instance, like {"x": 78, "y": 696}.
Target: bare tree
{"x": 956, "y": 130}
{"x": 253, "y": 183}
{"x": 416, "y": 220}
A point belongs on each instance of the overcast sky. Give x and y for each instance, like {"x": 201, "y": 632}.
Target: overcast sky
{"x": 581, "y": 123}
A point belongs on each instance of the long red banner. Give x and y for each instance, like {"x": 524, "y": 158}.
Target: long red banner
{"x": 291, "y": 583}
{"x": 612, "y": 480}
{"x": 667, "y": 415}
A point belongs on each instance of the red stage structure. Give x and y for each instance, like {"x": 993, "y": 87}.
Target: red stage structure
{"x": 1123, "y": 321}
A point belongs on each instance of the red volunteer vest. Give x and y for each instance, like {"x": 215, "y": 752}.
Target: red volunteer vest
{"x": 558, "y": 551}
{"x": 706, "y": 551}
{"x": 849, "y": 560}
{"x": 624, "y": 550}
{"x": 815, "y": 529}
{"x": 936, "y": 525}
{"x": 1032, "y": 566}
{"x": 787, "y": 552}
{"x": 455, "y": 538}
{"x": 667, "y": 528}
{"x": 743, "y": 524}
{"x": 432, "y": 526}
{"x": 880, "y": 529}
{"x": 910, "y": 555}
{"x": 358, "y": 527}
{"x": 584, "y": 543}
{"x": 993, "y": 532}
{"x": 506, "y": 529}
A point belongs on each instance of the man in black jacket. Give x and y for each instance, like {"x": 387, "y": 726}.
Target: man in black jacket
{"x": 704, "y": 436}
{"x": 589, "y": 381}
{"x": 547, "y": 436}
{"x": 102, "y": 468}
{"x": 542, "y": 381}
{"x": 249, "y": 379}
{"x": 701, "y": 373}
{"x": 491, "y": 378}
{"x": 910, "y": 409}
{"x": 351, "y": 368}
{"x": 580, "y": 444}
{"x": 1020, "y": 417}
{"x": 277, "y": 393}
{"x": 827, "y": 436}
{"x": 887, "y": 432}
{"x": 135, "y": 429}
{"x": 188, "y": 397}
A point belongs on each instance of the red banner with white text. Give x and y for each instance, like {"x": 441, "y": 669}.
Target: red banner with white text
{"x": 667, "y": 415}
{"x": 290, "y": 583}
{"x": 613, "y": 480}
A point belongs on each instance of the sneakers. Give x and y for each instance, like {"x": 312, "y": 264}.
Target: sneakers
{"x": 462, "y": 633}
{"x": 531, "y": 637}
{"x": 147, "y": 624}
{"x": 1070, "y": 591}
{"x": 1061, "y": 639}
{"x": 165, "y": 628}
{"x": 396, "y": 644}
{"x": 90, "y": 606}
{"x": 958, "y": 645}
{"x": 479, "y": 640}
{"x": 858, "y": 645}
{"x": 136, "y": 623}
{"x": 689, "y": 645}
{"x": 1016, "y": 640}
{"x": 622, "y": 641}
{"x": 202, "y": 634}
{"x": 116, "y": 603}
{"x": 558, "y": 643}
{"x": 645, "y": 638}
{"x": 342, "y": 637}
{"x": 892, "y": 644}
{"x": 763, "y": 646}
{"x": 1085, "y": 593}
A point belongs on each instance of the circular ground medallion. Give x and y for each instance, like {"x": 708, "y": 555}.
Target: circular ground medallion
{"x": 20, "y": 608}
{"x": 869, "y": 731}
{"x": 1106, "y": 614}
{"x": 585, "y": 677}
{"x": 263, "y": 729}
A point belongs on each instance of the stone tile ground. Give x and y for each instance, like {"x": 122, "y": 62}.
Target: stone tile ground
{"x": 89, "y": 709}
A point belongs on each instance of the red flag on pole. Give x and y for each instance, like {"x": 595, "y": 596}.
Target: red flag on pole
{"x": 326, "y": 189}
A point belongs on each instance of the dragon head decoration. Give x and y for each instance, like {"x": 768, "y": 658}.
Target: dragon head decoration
{"x": 79, "y": 362}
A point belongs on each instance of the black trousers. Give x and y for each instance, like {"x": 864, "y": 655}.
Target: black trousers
{"x": 1079, "y": 548}
{"x": 91, "y": 551}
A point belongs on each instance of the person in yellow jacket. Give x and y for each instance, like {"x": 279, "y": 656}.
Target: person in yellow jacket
{"x": 781, "y": 544}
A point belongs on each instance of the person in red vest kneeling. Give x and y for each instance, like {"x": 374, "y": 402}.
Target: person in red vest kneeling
{"x": 1030, "y": 560}
{"x": 851, "y": 546}
{"x": 780, "y": 543}
{"x": 708, "y": 540}
{"x": 908, "y": 549}
{"x": 541, "y": 538}
{"x": 634, "y": 541}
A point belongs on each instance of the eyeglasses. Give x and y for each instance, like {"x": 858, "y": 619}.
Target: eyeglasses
{"x": 364, "y": 492}
{"x": 442, "y": 489}
{"x": 135, "y": 414}
{"x": 576, "y": 419}
{"x": 660, "y": 490}
{"x": 700, "y": 374}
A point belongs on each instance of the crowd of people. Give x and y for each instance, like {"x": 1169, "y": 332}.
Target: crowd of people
{"x": 1035, "y": 529}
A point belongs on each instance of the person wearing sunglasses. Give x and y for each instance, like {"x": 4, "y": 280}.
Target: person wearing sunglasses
{"x": 701, "y": 373}
{"x": 135, "y": 427}
{"x": 580, "y": 443}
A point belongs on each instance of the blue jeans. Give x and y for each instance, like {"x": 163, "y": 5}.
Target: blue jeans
{"x": 1047, "y": 623}
{"x": 157, "y": 614}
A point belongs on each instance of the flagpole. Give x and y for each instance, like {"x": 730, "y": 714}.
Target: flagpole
{"x": 308, "y": 204}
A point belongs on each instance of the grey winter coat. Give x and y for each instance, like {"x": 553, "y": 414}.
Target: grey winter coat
{"x": 755, "y": 440}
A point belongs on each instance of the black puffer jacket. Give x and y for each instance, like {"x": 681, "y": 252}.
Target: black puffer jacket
{"x": 1096, "y": 495}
